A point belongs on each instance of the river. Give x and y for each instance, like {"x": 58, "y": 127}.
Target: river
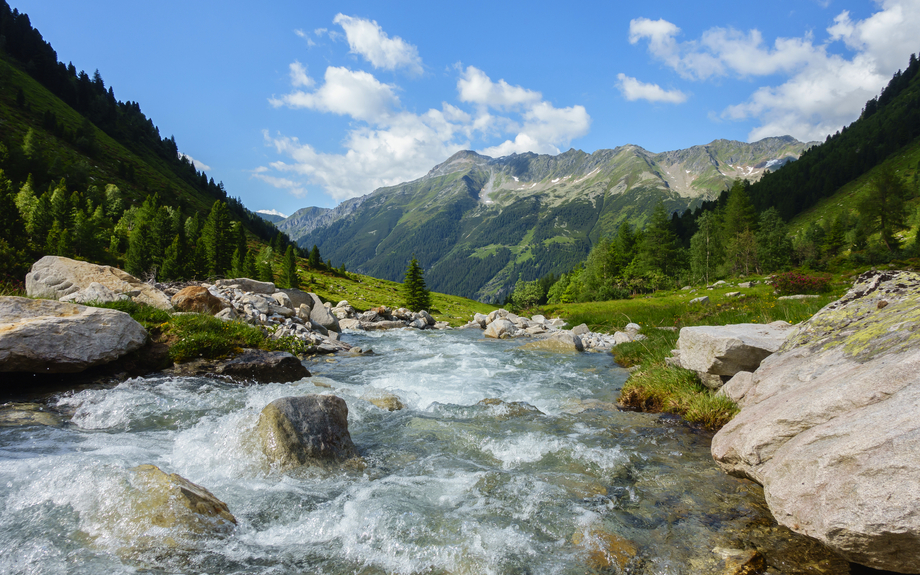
{"x": 448, "y": 485}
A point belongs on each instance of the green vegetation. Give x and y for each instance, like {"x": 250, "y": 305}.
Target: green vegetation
{"x": 415, "y": 294}
{"x": 655, "y": 386}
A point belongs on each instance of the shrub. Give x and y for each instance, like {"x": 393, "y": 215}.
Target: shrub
{"x": 204, "y": 336}
{"x": 789, "y": 283}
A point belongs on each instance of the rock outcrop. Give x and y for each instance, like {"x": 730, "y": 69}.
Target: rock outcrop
{"x": 54, "y": 277}
{"x": 311, "y": 429}
{"x": 828, "y": 425}
{"x": 45, "y": 336}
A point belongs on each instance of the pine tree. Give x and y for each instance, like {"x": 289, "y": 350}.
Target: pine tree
{"x": 171, "y": 269}
{"x": 137, "y": 259}
{"x": 289, "y": 270}
{"x": 218, "y": 239}
{"x": 884, "y": 209}
{"x": 315, "y": 262}
{"x": 249, "y": 266}
{"x": 740, "y": 214}
{"x": 415, "y": 295}
{"x": 12, "y": 228}
{"x": 264, "y": 264}
{"x": 706, "y": 252}
{"x": 774, "y": 249}
{"x": 659, "y": 251}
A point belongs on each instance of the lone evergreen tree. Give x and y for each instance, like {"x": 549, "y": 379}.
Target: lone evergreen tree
{"x": 289, "y": 269}
{"x": 416, "y": 295}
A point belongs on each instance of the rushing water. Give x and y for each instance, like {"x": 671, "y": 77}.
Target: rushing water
{"x": 449, "y": 486}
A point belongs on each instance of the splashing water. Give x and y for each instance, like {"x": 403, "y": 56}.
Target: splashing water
{"x": 451, "y": 485}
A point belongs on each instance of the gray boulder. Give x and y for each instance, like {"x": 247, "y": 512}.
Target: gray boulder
{"x": 54, "y": 277}
{"x": 250, "y": 285}
{"x": 481, "y": 319}
{"x": 45, "y": 336}
{"x": 94, "y": 293}
{"x": 499, "y": 328}
{"x": 297, "y": 297}
{"x": 728, "y": 349}
{"x": 295, "y": 431}
{"x": 560, "y": 341}
{"x": 581, "y": 329}
{"x": 828, "y": 425}
{"x": 322, "y": 315}
{"x": 702, "y": 300}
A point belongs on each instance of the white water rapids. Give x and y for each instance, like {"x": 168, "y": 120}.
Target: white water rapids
{"x": 450, "y": 486}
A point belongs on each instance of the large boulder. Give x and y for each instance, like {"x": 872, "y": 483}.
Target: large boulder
{"x": 197, "y": 299}
{"x": 255, "y": 365}
{"x": 322, "y": 315}
{"x": 248, "y": 285}
{"x": 94, "y": 293}
{"x": 46, "y": 336}
{"x": 727, "y": 349}
{"x": 828, "y": 425}
{"x": 54, "y": 277}
{"x": 559, "y": 341}
{"x": 295, "y": 431}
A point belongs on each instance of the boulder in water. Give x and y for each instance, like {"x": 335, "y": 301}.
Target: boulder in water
{"x": 500, "y": 328}
{"x": 559, "y": 341}
{"x": 311, "y": 429}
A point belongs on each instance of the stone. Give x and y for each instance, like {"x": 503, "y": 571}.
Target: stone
{"x": 169, "y": 501}
{"x": 538, "y": 319}
{"x": 350, "y": 323}
{"x": 23, "y": 414}
{"x": 702, "y": 300}
{"x": 283, "y": 300}
{"x": 633, "y": 327}
{"x": 621, "y": 337}
{"x": 197, "y": 299}
{"x": 481, "y": 320}
{"x": 53, "y": 277}
{"x": 728, "y": 349}
{"x": 536, "y": 329}
{"x": 498, "y": 328}
{"x": 798, "y": 296}
{"x": 581, "y": 329}
{"x": 383, "y": 325}
{"x": 427, "y": 317}
{"x": 829, "y": 425}
{"x": 384, "y": 400}
{"x": 303, "y": 312}
{"x": 94, "y": 293}
{"x": 311, "y": 429}
{"x": 605, "y": 550}
{"x": 738, "y": 386}
{"x": 747, "y": 284}
{"x": 558, "y": 342}
{"x": 556, "y": 322}
{"x": 419, "y": 323}
{"x": 732, "y": 294}
{"x": 254, "y": 365}
{"x": 741, "y": 561}
{"x": 508, "y": 409}
{"x": 45, "y": 336}
{"x": 323, "y": 315}
{"x": 227, "y": 314}
{"x": 249, "y": 285}
{"x": 297, "y": 297}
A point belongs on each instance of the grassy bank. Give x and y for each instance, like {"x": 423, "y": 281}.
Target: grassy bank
{"x": 656, "y": 387}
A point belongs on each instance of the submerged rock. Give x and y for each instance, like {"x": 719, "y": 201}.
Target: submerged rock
{"x": 605, "y": 550}
{"x": 23, "y": 414}
{"x": 46, "y": 336}
{"x": 828, "y": 425}
{"x": 311, "y": 429}
{"x": 384, "y": 400}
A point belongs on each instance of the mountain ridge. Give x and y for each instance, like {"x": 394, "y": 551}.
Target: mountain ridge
{"x": 477, "y": 223}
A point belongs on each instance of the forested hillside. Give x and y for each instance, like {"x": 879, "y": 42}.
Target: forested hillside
{"x": 85, "y": 175}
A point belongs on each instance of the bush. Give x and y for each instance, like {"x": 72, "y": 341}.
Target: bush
{"x": 204, "y": 336}
{"x": 790, "y": 283}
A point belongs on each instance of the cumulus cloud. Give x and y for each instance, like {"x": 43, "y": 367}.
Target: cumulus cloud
{"x": 822, "y": 92}
{"x": 367, "y": 39}
{"x": 388, "y": 145}
{"x": 271, "y": 213}
{"x": 633, "y": 89}
{"x": 198, "y": 164}
{"x": 344, "y": 92}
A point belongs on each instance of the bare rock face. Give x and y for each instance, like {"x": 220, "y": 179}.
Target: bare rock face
{"x": 725, "y": 350}
{"x": 197, "y": 299}
{"x": 54, "y": 277}
{"x": 311, "y": 429}
{"x": 45, "y": 336}
{"x": 829, "y": 425}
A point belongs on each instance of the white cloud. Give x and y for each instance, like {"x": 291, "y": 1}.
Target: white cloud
{"x": 344, "y": 92}
{"x": 299, "y": 76}
{"x": 200, "y": 165}
{"x": 822, "y": 91}
{"x": 271, "y": 213}
{"x": 387, "y": 145}
{"x": 300, "y": 33}
{"x": 366, "y": 38}
{"x": 634, "y": 89}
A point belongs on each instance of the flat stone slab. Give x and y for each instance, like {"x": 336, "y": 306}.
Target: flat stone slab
{"x": 728, "y": 349}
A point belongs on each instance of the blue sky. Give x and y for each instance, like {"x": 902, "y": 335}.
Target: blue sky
{"x": 302, "y": 103}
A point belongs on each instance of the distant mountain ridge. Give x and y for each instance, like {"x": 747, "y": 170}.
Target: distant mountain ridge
{"x": 477, "y": 224}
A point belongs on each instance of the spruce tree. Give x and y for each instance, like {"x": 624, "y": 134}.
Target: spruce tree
{"x": 264, "y": 264}
{"x": 218, "y": 239}
{"x": 289, "y": 270}
{"x": 137, "y": 259}
{"x": 415, "y": 295}
{"x": 314, "y": 260}
{"x": 884, "y": 209}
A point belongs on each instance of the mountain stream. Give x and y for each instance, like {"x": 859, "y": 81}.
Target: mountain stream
{"x": 561, "y": 483}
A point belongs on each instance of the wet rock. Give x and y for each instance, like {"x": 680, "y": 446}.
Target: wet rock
{"x": 581, "y": 329}
{"x": 169, "y": 501}
{"x": 311, "y": 429}
{"x": 559, "y": 342}
{"x": 197, "y": 299}
{"x": 53, "y": 277}
{"x": 384, "y": 400}
{"x": 251, "y": 365}
{"x": 605, "y": 550}
{"x": 23, "y": 414}
{"x": 829, "y": 425}
{"x": 505, "y": 409}
{"x": 382, "y": 325}
{"x": 350, "y": 323}
{"x": 741, "y": 561}
{"x": 45, "y": 336}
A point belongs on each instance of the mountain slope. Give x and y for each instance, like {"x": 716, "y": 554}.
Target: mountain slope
{"x": 477, "y": 224}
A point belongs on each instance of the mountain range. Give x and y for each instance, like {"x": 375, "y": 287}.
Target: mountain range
{"x": 478, "y": 224}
